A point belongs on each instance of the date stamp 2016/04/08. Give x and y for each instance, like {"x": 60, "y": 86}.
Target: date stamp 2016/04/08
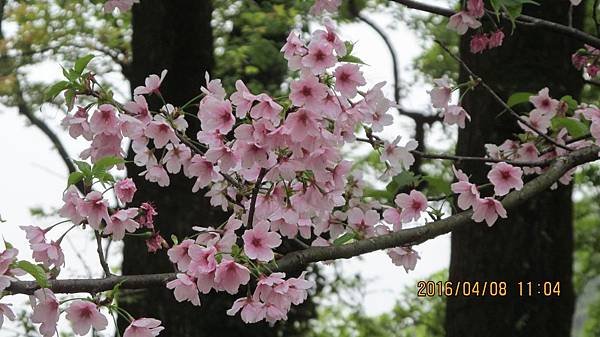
{"x": 488, "y": 288}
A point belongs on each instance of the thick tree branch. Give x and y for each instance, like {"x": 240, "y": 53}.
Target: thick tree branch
{"x": 524, "y": 20}
{"x": 300, "y": 259}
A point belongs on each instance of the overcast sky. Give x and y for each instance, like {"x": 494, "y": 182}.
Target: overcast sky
{"x": 33, "y": 175}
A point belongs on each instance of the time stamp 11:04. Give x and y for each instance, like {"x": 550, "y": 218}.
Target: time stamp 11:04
{"x": 488, "y": 288}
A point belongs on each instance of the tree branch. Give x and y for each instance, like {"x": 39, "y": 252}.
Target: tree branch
{"x": 524, "y": 20}
{"x": 299, "y": 259}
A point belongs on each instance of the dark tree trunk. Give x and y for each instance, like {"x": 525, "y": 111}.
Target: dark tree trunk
{"x": 536, "y": 242}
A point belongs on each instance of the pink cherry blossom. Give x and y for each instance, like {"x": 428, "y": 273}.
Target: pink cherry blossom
{"x": 252, "y": 310}
{"x": 157, "y": 174}
{"x": 6, "y": 311}
{"x": 320, "y": 57}
{"x": 242, "y": 99}
{"x": 363, "y": 222}
{"x": 50, "y": 254}
{"x": 45, "y": 311}
{"x": 216, "y": 115}
{"x": 488, "y": 209}
{"x": 213, "y": 90}
{"x": 151, "y": 84}
{"x": 33, "y": 234}
{"x": 78, "y": 124}
{"x": 302, "y": 124}
{"x": 330, "y": 36}
{"x": 411, "y": 204}
{"x": 229, "y": 275}
{"x": 496, "y": 39}
{"x": 404, "y": 257}
{"x": 104, "y": 120}
{"x": 462, "y": 21}
{"x": 85, "y": 315}
{"x": 544, "y": 103}
{"x": 475, "y": 8}
{"x": 156, "y": 242}
{"x": 538, "y": 120}
{"x": 468, "y": 194}
{"x": 266, "y": 108}
{"x": 143, "y": 327}
{"x": 204, "y": 171}
{"x": 397, "y": 155}
{"x": 225, "y": 156}
{"x": 505, "y": 177}
{"x": 203, "y": 260}
{"x": 139, "y": 109}
{"x": 348, "y": 78}
{"x": 185, "y": 289}
{"x": 179, "y": 254}
{"x": 293, "y": 46}
{"x": 104, "y": 145}
{"x": 161, "y": 132}
{"x": 330, "y": 6}
{"x": 146, "y": 217}
{"x": 479, "y": 43}
{"x": 121, "y": 222}
{"x": 441, "y": 93}
{"x": 455, "y": 114}
{"x": 259, "y": 242}
{"x": 125, "y": 190}
{"x": 95, "y": 208}
{"x": 308, "y": 92}
{"x": 176, "y": 157}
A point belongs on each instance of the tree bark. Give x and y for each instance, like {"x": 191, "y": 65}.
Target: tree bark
{"x": 535, "y": 243}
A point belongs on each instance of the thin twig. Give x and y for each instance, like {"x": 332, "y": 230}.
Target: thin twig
{"x": 255, "y": 190}
{"x": 500, "y": 100}
{"x": 101, "y": 256}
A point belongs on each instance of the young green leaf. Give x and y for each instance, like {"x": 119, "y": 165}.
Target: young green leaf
{"x": 56, "y": 89}
{"x": 81, "y": 63}
{"x": 74, "y": 178}
{"x": 34, "y": 270}
{"x": 518, "y": 98}
{"x": 343, "y": 239}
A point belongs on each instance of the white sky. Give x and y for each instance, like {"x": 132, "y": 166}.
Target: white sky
{"x": 33, "y": 175}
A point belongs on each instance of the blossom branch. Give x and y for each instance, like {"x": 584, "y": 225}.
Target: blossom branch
{"x": 255, "y": 190}
{"x": 500, "y": 100}
{"x": 524, "y": 20}
{"x": 299, "y": 259}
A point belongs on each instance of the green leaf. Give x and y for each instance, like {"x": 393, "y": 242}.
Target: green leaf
{"x": 437, "y": 185}
{"x": 351, "y": 59}
{"x": 570, "y": 101}
{"x": 106, "y": 163}
{"x": 518, "y": 98}
{"x": 81, "y": 63}
{"x": 402, "y": 180}
{"x": 74, "y": 178}
{"x": 56, "y": 89}
{"x": 84, "y": 167}
{"x": 34, "y": 270}
{"x": 573, "y": 126}
{"x": 349, "y": 47}
{"x": 377, "y": 194}
{"x": 343, "y": 239}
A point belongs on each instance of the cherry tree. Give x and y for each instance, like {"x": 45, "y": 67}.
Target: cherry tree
{"x": 276, "y": 165}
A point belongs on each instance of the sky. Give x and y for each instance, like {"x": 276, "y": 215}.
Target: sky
{"x": 32, "y": 175}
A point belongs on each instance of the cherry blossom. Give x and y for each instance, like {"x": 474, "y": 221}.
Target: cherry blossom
{"x": 308, "y": 92}
{"x": 488, "y": 209}
{"x": 6, "y": 311}
{"x": 151, "y": 84}
{"x": 95, "y": 208}
{"x": 85, "y": 315}
{"x": 505, "y": 177}
{"x": 544, "y": 103}
{"x": 441, "y": 93}
{"x": 462, "y": 21}
{"x": 252, "y": 311}
{"x": 121, "y": 222}
{"x": 259, "y": 242}
{"x": 229, "y": 275}
{"x": 468, "y": 194}
{"x": 455, "y": 114}
{"x": 404, "y": 257}
{"x": 45, "y": 311}
{"x": 348, "y": 78}
{"x": 185, "y": 289}
{"x": 143, "y": 327}
{"x": 411, "y": 204}
{"x": 125, "y": 190}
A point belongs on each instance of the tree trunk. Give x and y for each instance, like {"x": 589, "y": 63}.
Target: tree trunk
{"x": 535, "y": 243}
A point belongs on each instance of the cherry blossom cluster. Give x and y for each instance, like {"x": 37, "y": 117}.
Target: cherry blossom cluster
{"x": 440, "y": 95}
{"x": 465, "y": 19}
{"x": 588, "y": 60}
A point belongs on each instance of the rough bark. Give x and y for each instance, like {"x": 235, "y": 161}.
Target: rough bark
{"x": 536, "y": 242}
